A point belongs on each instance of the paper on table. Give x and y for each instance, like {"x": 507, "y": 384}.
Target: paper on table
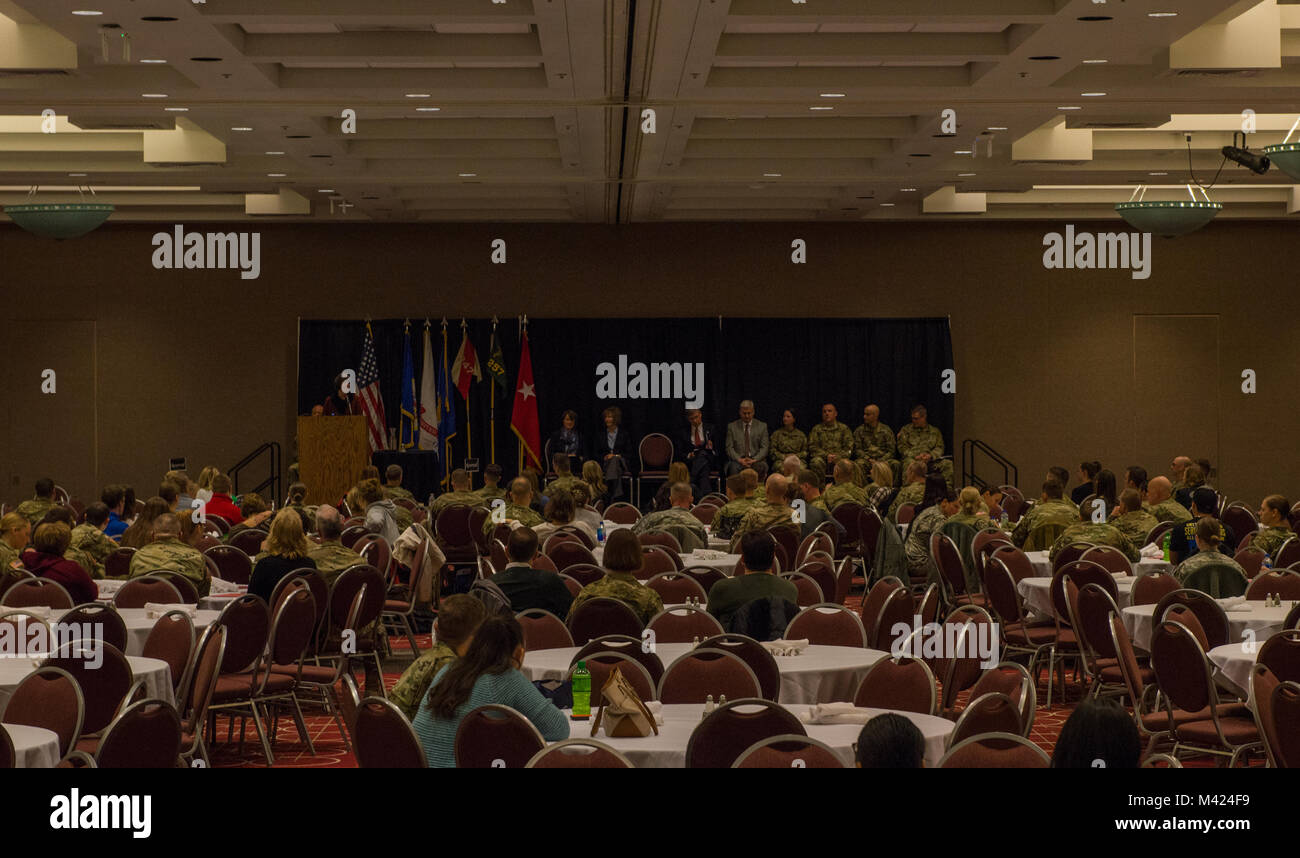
{"x": 1152, "y": 551}
{"x": 785, "y": 647}
{"x": 835, "y": 713}
{"x": 154, "y": 610}
{"x": 220, "y": 586}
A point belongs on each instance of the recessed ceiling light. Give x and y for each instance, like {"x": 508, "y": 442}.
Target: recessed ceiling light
{"x": 418, "y": 95}
{"x": 886, "y": 204}
{"x": 1162, "y": 14}
{"x": 1045, "y": 57}
{"x": 158, "y": 18}
{"x": 327, "y": 191}
{"x": 1070, "y": 108}
{"x": 467, "y": 175}
{"x": 1095, "y": 62}
{"x": 241, "y": 128}
{"x": 275, "y": 153}
{"x": 176, "y": 109}
{"x": 832, "y": 95}
{"x": 997, "y": 128}
{"x": 275, "y": 175}
{"x": 961, "y": 151}
{"x": 76, "y": 174}
{"x": 1092, "y": 94}
{"x": 87, "y": 12}
{"x": 963, "y": 175}
{"x": 821, "y": 108}
{"x": 153, "y": 95}
{"x": 908, "y": 190}
{"x": 427, "y": 109}
{"x": 1157, "y": 174}
{"x": 153, "y": 61}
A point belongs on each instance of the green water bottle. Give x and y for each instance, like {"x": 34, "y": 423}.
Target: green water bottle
{"x": 1168, "y": 537}
{"x": 581, "y": 692}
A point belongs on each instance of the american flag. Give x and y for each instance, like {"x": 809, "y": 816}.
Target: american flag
{"x": 372, "y": 404}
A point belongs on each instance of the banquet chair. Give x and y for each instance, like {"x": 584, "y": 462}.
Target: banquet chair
{"x": 567, "y": 552}
{"x": 398, "y": 614}
{"x": 571, "y": 584}
{"x": 1292, "y": 618}
{"x": 953, "y": 572}
{"x": 139, "y": 592}
{"x": 1157, "y": 534}
{"x": 1281, "y": 654}
{"x": 494, "y": 734}
{"x": 705, "y": 576}
{"x": 31, "y": 633}
{"x": 1250, "y": 558}
{"x": 249, "y": 540}
{"x": 625, "y": 645}
{"x": 235, "y": 566}
{"x": 50, "y": 698}
{"x": 1219, "y": 580}
{"x": 821, "y": 569}
{"x": 601, "y": 666}
{"x": 1152, "y": 587}
{"x": 900, "y": 683}
{"x": 583, "y": 573}
{"x": 898, "y": 609}
{"x": 541, "y": 561}
{"x": 809, "y": 591}
{"x": 872, "y": 603}
{"x": 1212, "y": 617}
{"x": 292, "y": 629}
{"x": 579, "y": 754}
{"x": 995, "y": 751}
{"x": 963, "y": 668}
{"x": 828, "y": 624}
{"x": 1109, "y": 558}
{"x": 195, "y": 693}
{"x": 118, "y": 564}
{"x": 561, "y": 536}
{"x": 1285, "y": 708}
{"x": 8, "y": 757}
{"x": 320, "y": 591}
{"x": 655, "y": 537}
{"x": 656, "y": 559}
{"x": 1016, "y": 561}
{"x": 848, "y": 514}
{"x": 816, "y": 541}
{"x": 655, "y": 453}
{"x": 543, "y": 630}
{"x": 704, "y": 671}
{"x": 788, "y": 751}
{"x": 1070, "y": 553}
{"x": 577, "y": 533}
{"x": 375, "y": 550}
{"x": 1289, "y": 553}
{"x": 222, "y": 525}
{"x": 368, "y": 630}
{"x": 993, "y": 712}
{"x": 1282, "y": 582}
{"x": 704, "y": 513}
{"x": 1014, "y": 681}
{"x": 844, "y": 579}
{"x": 351, "y": 533}
{"x": 674, "y": 588}
{"x": 622, "y": 513}
{"x": 1263, "y": 683}
{"x": 105, "y": 678}
{"x": 1020, "y": 636}
{"x": 602, "y": 616}
{"x": 383, "y": 737}
{"x": 497, "y": 555}
{"x": 36, "y": 593}
{"x": 1239, "y": 518}
{"x": 683, "y": 624}
{"x": 189, "y": 594}
{"x": 454, "y": 535}
{"x": 108, "y": 623}
{"x": 727, "y": 732}
{"x": 146, "y": 735}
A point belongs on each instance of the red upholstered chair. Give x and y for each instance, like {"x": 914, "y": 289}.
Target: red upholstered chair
{"x": 815, "y": 541}
{"x": 195, "y": 692}
{"x": 111, "y": 628}
{"x": 118, "y": 564}
{"x": 398, "y": 614}
{"x": 584, "y": 573}
{"x": 1070, "y": 553}
{"x": 828, "y": 624}
{"x": 292, "y": 628}
{"x": 789, "y": 751}
{"x": 1285, "y": 717}
{"x": 898, "y": 609}
{"x": 822, "y": 570}
{"x": 986, "y": 542}
{"x": 1110, "y": 558}
{"x": 1250, "y": 559}
{"x": 844, "y": 577}
{"x": 727, "y": 732}
{"x": 995, "y": 751}
{"x": 105, "y": 679}
{"x": 952, "y": 571}
{"x": 902, "y": 684}
{"x": 383, "y": 738}
{"x": 753, "y": 654}
{"x": 566, "y": 553}
{"x": 579, "y": 754}
{"x": 656, "y": 559}
{"x": 674, "y": 588}
{"x": 247, "y": 621}
{"x": 602, "y": 616}
{"x": 147, "y": 735}
{"x": 543, "y": 630}
{"x": 35, "y": 593}
{"x": 375, "y": 550}
{"x": 1019, "y": 634}
{"x": 1281, "y": 654}
{"x": 494, "y": 734}
{"x": 810, "y": 592}
{"x": 655, "y": 453}
{"x": 1014, "y": 681}
{"x": 705, "y": 576}
{"x": 497, "y": 555}
{"x": 873, "y": 602}
{"x": 1288, "y": 554}
{"x": 478, "y": 517}
{"x": 667, "y": 540}
{"x": 234, "y": 565}
{"x": 1016, "y": 561}
{"x": 704, "y": 512}
{"x": 1210, "y": 613}
{"x": 184, "y": 586}
{"x": 929, "y": 603}
{"x": 50, "y": 698}
{"x": 1240, "y": 518}
{"x": 249, "y": 541}
{"x": 848, "y": 514}
{"x": 1152, "y": 587}
{"x": 963, "y": 669}
{"x": 622, "y": 513}
{"x": 684, "y": 624}
{"x": 320, "y": 592}
{"x": 171, "y": 640}
{"x": 222, "y": 524}
{"x": 454, "y": 535}
{"x": 1157, "y": 534}
{"x": 704, "y": 671}
{"x": 625, "y": 645}
{"x": 989, "y": 713}
{"x": 602, "y": 664}
{"x": 905, "y": 513}
{"x": 139, "y": 592}
{"x": 1262, "y": 686}
{"x": 572, "y": 584}
{"x": 561, "y": 536}
{"x": 541, "y": 561}
{"x": 1283, "y": 582}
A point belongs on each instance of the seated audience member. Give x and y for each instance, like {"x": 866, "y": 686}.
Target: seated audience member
{"x": 114, "y": 497}
{"x": 729, "y": 595}
{"x": 1182, "y": 543}
{"x": 185, "y": 489}
{"x": 45, "y": 559}
{"x": 331, "y": 557}
{"x": 991, "y": 502}
{"x": 881, "y": 486}
{"x": 459, "y": 616}
{"x": 492, "y": 489}
{"x": 459, "y": 495}
{"x": 488, "y": 672}
{"x": 937, "y": 505}
{"x": 564, "y": 478}
{"x": 381, "y": 513}
{"x": 1062, "y": 476}
{"x": 1161, "y": 504}
{"x": 393, "y": 484}
{"x": 874, "y": 442}
{"x": 1135, "y": 477}
{"x": 1087, "y": 481}
{"x": 1193, "y": 479}
{"x": 1097, "y": 534}
{"x": 1050, "y": 509}
{"x": 220, "y": 502}
{"x": 775, "y": 514}
{"x": 1132, "y": 520}
{"x": 676, "y": 519}
{"x": 204, "y": 491}
{"x": 913, "y": 489}
{"x": 194, "y": 534}
{"x": 595, "y": 480}
{"x": 256, "y": 514}
{"x": 34, "y": 509}
{"x": 890, "y": 741}
{"x": 140, "y": 533}
{"x": 537, "y": 500}
{"x": 921, "y": 442}
{"x": 730, "y": 514}
{"x": 968, "y": 509}
{"x": 844, "y": 490}
{"x": 285, "y": 550}
{"x": 747, "y": 441}
{"x": 1098, "y": 730}
{"x": 1204, "y": 465}
{"x": 622, "y": 560}
{"x": 790, "y": 467}
{"x": 1104, "y": 490}
{"x": 677, "y": 473}
{"x": 517, "y": 512}
{"x": 167, "y": 491}
{"x": 562, "y": 511}
{"x": 1207, "y": 536}
{"x": 297, "y": 499}
{"x": 526, "y": 587}
{"x": 828, "y": 441}
{"x": 582, "y": 510}
{"x": 93, "y": 567}
{"x": 15, "y": 534}
{"x": 815, "y": 511}
{"x": 1179, "y": 468}
{"x": 1273, "y": 514}
{"x": 167, "y": 552}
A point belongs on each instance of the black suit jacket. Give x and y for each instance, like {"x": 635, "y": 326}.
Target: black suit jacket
{"x": 684, "y": 445}
{"x": 623, "y": 446}
{"x": 557, "y": 444}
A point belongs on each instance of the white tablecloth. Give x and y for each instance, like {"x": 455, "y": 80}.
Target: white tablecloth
{"x": 108, "y": 588}
{"x": 821, "y": 674}
{"x": 156, "y": 674}
{"x": 34, "y": 747}
{"x": 1037, "y": 593}
{"x": 217, "y": 602}
{"x": 138, "y": 626}
{"x": 667, "y": 750}
{"x": 1261, "y": 620}
{"x": 1234, "y": 662}
{"x": 1043, "y": 566}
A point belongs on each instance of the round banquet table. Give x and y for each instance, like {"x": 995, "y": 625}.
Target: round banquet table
{"x": 667, "y": 750}
{"x": 1234, "y": 662}
{"x": 820, "y": 674}
{"x": 1037, "y": 593}
{"x": 34, "y": 747}
{"x": 1043, "y": 566}
{"x": 138, "y": 625}
{"x": 1261, "y": 620}
{"x": 723, "y": 562}
{"x": 156, "y": 674}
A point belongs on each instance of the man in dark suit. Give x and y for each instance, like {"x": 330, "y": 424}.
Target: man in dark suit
{"x": 527, "y": 587}
{"x": 695, "y": 446}
{"x": 612, "y": 447}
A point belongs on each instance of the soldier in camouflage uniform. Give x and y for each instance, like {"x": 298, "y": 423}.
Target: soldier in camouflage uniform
{"x": 622, "y": 558}
{"x": 459, "y": 616}
{"x": 675, "y": 517}
{"x": 828, "y": 442}
{"x": 94, "y": 568}
{"x": 923, "y": 442}
{"x": 1161, "y": 504}
{"x": 34, "y": 510}
{"x": 1097, "y": 534}
{"x": 168, "y": 552}
{"x": 15, "y": 534}
{"x": 1133, "y": 521}
{"x": 564, "y": 478}
{"x": 929, "y": 520}
{"x": 775, "y": 513}
{"x": 913, "y": 490}
{"x": 393, "y": 484}
{"x": 728, "y": 518}
{"x": 1209, "y": 551}
{"x": 787, "y": 441}
{"x": 491, "y": 485}
{"x": 1050, "y": 509}
{"x": 516, "y": 510}
{"x": 873, "y": 441}
{"x": 331, "y": 556}
{"x": 1273, "y": 514}
{"x": 459, "y": 494}
{"x": 844, "y": 489}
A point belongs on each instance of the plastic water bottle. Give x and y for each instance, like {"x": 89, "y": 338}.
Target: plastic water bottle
{"x": 600, "y": 533}
{"x": 1005, "y": 519}
{"x": 581, "y": 692}
{"x": 1168, "y": 537}
{"x": 1267, "y": 565}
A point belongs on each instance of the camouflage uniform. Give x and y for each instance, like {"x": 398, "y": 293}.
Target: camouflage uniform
{"x": 1203, "y": 558}
{"x": 8, "y": 556}
{"x": 397, "y": 492}
{"x": 728, "y": 518}
{"x": 403, "y": 517}
{"x": 767, "y": 517}
{"x": 840, "y": 493}
{"x": 975, "y": 521}
{"x": 1053, "y": 511}
{"x": 34, "y": 510}
{"x": 1169, "y": 510}
{"x": 875, "y": 445}
{"x": 1270, "y": 539}
{"x": 824, "y": 441}
{"x": 487, "y": 494}
{"x": 643, "y": 601}
{"x": 309, "y": 512}
{"x": 912, "y": 442}
{"x": 445, "y": 500}
{"x": 917, "y": 546}
{"x": 332, "y": 557}
{"x": 170, "y": 553}
{"x": 526, "y": 516}
{"x": 1135, "y": 525}
{"x": 673, "y": 516}
{"x": 566, "y": 483}
{"x": 92, "y": 540}
{"x": 93, "y": 567}
{"x": 411, "y": 689}
{"x": 1098, "y": 534}
{"x": 787, "y": 442}
{"x": 910, "y": 493}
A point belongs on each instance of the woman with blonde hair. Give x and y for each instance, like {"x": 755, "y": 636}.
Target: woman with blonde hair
{"x": 140, "y": 533}
{"x": 677, "y": 473}
{"x": 284, "y": 550}
{"x": 968, "y": 508}
{"x": 593, "y": 476}
{"x": 881, "y": 486}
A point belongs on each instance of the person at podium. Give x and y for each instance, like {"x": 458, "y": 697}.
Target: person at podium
{"x": 339, "y": 402}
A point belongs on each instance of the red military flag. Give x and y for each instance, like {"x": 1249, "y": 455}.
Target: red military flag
{"x": 523, "y": 419}
{"x": 467, "y": 366}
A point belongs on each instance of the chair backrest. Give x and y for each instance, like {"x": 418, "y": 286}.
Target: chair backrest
{"x": 1262, "y": 685}
{"x": 789, "y": 751}
{"x": 602, "y": 616}
{"x": 828, "y": 624}
{"x": 1289, "y": 553}
{"x": 1157, "y": 534}
{"x": 496, "y": 736}
{"x": 351, "y": 534}
{"x": 754, "y": 654}
{"x": 1093, "y": 607}
{"x": 1284, "y": 582}
{"x": 951, "y": 569}
{"x": 1286, "y": 717}
{"x": 102, "y": 672}
{"x": 543, "y": 630}
{"x": 905, "y": 513}
{"x": 1070, "y": 553}
{"x": 655, "y": 452}
{"x": 1281, "y": 654}
{"x": 1127, "y": 659}
{"x": 903, "y": 684}
{"x": 704, "y": 671}
{"x": 1219, "y": 580}
{"x": 1181, "y": 667}
{"x": 453, "y": 526}
{"x": 51, "y": 698}
{"x": 578, "y": 534}
{"x": 1016, "y": 561}
{"x": 1000, "y": 589}
{"x": 816, "y": 541}
{"x": 171, "y": 640}
{"x": 571, "y": 584}
{"x": 873, "y": 601}
{"x": 626, "y": 645}
{"x": 195, "y": 693}
{"x": 567, "y": 552}
{"x": 704, "y": 512}
{"x": 810, "y": 592}
{"x": 898, "y": 609}
{"x": 622, "y": 513}
{"x": 1152, "y": 587}
{"x": 962, "y": 670}
{"x": 658, "y": 537}
{"x": 233, "y": 565}
{"x": 35, "y": 593}
{"x": 705, "y": 576}
{"x": 579, "y": 754}
{"x": 497, "y": 552}
{"x": 375, "y": 550}
{"x": 1082, "y": 573}
{"x": 111, "y": 628}
{"x": 995, "y": 751}
{"x": 384, "y": 739}
{"x": 249, "y": 541}
{"x": 847, "y": 514}
{"x": 1250, "y": 558}
{"x": 724, "y": 734}
{"x": 541, "y": 561}
{"x": 147, "y": 735}
{"x": 821, "y": 569}
{"x": 1109, "y": 558}
{"x": 993, "y": 712}
{"x": 683, "y": 624}
{"x": 139, "y": 592}
{"x": 320, "y": 591}
{"x": 1013, "y": 680}
{"x": 601, "y": 666}
{"x": 584, "y": 573}
{"x": 247, "y": 620}
{"x": 294, "y": 624}
{"x": 674, "y": 588}
{"x": 346, "y": 586}
{"x": 184, "y": 586}
{"x": 117, "y": 564}
{"x": 1210, "y": 613}
{"x": 1239, "y": 518}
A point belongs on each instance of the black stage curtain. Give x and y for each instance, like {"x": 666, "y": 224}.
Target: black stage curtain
{"x": 778, "y": 363}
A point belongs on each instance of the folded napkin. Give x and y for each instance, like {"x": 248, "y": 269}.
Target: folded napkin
{"x": 656, "y": 709}
{"x": 41, "y": 611}
{"x": 1242, "y": 608}
{"x": 1153, "y": 552}
{"x": 154, "y": 610}
{"x": 785, "y": 647}
{"x": 706, "y": 554}
{"x": 836, "y": 713}
{"x": 220, "y": 587}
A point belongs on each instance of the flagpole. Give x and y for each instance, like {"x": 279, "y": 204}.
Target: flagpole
{"x": 446, "y": 442}
{"x": 469, "y": 429}
{"x": 492, "y": 398}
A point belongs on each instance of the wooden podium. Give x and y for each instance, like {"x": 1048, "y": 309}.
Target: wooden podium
{"x": 331, "y": 453}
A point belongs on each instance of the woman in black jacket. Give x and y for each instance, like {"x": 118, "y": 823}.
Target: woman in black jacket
{"x": 612, "y": 449}
{"x": 568, "y": 440}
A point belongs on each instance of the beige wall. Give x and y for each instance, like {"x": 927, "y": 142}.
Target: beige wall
{"x": 202, "y": 364}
